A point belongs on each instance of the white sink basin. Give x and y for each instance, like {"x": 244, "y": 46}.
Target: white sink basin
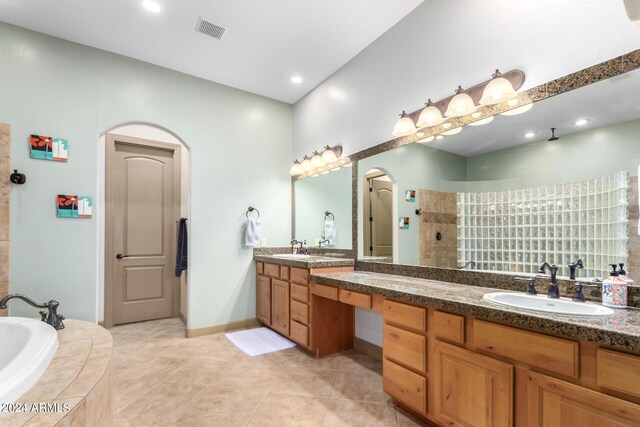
{"x": 292, "y": 256}
{"x": 548, "y": 305}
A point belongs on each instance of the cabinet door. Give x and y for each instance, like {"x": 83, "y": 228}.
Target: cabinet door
{"x": 470, "y": 389}
{"x": 280, "y": 306}
{"x": 552, "y": 402}
{"x": 263, "y": 299}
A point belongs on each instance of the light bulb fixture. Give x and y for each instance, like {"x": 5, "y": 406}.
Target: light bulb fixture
{"x": 430, "y": 115}
{"x": 518, "y": 110}
{"x": 453, "y": 131}
{"x": 498, "y": 90}
{"x": 426, "y": 140}
{"x": 328, "y": 155}
{"x": 296, "y": 169}
{"x": 482, "y": 122}
{"x": 316, "y": 160}
{"x": 306, "y": 164}
{"x": 404, "y": 126}
{"x": 460, "y": 105}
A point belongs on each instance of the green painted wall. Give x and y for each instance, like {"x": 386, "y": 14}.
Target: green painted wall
{"x": 330, "y": 192}
{"x": 240, "y": 143}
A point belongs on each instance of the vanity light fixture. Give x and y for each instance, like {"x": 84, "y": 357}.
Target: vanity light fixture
{"x": 453, "y": 131}
{"x": 151, "y": 6}
{"x": 461, "y": 104}
{"x": 331, "y": 154}
{"x": 498, "y": 90}
{"x": 296, "y": 169}
{"x": 581, "y": 122}
{"x": 430, "y": 115}
{"x": 306, "y": 164}
{"x": 316, "y": 160}
{"x": 404, "y": 126}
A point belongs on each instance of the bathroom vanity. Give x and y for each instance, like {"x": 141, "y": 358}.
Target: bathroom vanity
{"x": 455, "y": 359}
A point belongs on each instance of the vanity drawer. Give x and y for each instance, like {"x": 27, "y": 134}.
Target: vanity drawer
{"x": 324, "y": 291}
{"x": 300, "y": 293}
{"x": 300, "y": 312}
{"x": 405, "y": 348}
{"x": 300, "y": 275}
{"x": 300, "y": 333}
{"x": 259, "y": 267}
{"x": 272, "y": 270}
{"x": 448, "y": 327}
{"x": 284, "y": 272}
{"x": 405, "y": 386}
{"x": 619, "y": 371}
{"x": 357, "y": 299}
{"x": 550, "y": 353}
{"x": 405, "y": 315}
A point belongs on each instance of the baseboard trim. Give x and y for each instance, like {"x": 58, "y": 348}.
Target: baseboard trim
{"x": 225, "y": 327}
{"x": 367, "y": 348}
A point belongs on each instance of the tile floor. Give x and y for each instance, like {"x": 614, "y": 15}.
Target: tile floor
{"x": 161, "y": 378}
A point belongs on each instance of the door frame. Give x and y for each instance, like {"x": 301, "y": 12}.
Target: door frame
{"x": 373, "y": 173}
{"x": 109, "y": 264}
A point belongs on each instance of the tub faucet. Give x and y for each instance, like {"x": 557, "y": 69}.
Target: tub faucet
{"x": 50, "y": 316}
{"x": 553, "y": 291}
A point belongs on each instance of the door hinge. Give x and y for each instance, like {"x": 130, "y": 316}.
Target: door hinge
{"x": 370, "y": 189}
{"x": 371, "y": 248}
{"x": 370, "y": 219}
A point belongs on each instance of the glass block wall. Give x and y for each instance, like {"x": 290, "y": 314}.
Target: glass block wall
{"x": 517, "y": 230}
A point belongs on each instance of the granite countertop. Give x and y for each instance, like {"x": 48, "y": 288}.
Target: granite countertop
{"x": 621, "y": 330}
{"x": 313, "y": 261}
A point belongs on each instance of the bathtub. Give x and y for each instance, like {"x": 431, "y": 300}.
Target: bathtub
{"x": 26, "y": 348}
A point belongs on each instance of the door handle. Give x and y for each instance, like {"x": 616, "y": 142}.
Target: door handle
{"x": 120, "y": 256}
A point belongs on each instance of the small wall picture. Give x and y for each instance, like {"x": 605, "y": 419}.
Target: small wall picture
{"x": 410, "y": 195}
{"x": 72, "y": 206}
{"x": 48, "y": 148}
{"x": 404, "y": 222}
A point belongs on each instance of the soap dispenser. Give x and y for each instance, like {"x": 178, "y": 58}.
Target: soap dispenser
{"x": 614, "y": 290}
{"x": 623, "y": 275}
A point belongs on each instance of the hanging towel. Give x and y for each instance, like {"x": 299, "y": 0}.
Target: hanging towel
{"x": 330, "y": 231}
{"x": 252, "y": 236}
{"x": 181, "y": 253}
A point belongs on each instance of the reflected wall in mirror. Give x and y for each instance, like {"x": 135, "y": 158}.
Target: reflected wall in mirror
{"x": 502, "y": 197}
{"x": 323, "y": 209}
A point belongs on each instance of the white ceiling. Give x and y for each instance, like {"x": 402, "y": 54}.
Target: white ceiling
{"x": 266, "y": 41}
{"x": 604, "y": 103}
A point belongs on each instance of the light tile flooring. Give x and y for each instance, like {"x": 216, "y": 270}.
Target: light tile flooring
{"x": 163, "y": 379}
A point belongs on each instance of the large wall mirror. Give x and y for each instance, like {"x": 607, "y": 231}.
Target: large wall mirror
{"x": 507, "y": 195}
{"x": 323, "y": 209}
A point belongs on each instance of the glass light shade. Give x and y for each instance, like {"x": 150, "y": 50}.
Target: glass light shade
{"x": 498, "y": 90}
{"x": 329, "y": 156}
{"x": 452, "y": 131}
{"x": 316, "y": 160}
{"x": 482, "y": 122}
{"x": 404, "y": 126}
{"x": 518, "y": 110}
{"x": 430, "y": 116}
{"x": 296, "y": 169}
{"x": 306, "y": 164}
{"x": 460, "y": 105}
{"x": 427, "y": 139}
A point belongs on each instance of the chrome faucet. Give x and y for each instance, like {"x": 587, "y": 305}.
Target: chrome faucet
{"x": 327, "y": 241}
{"x": 301, "y": 249}
{"x": 554, "y": 291}
{"x": 50, "y": 316}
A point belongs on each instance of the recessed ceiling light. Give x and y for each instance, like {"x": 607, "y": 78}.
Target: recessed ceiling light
{"x": 581, "y": 122}
{"x": 296, "y": 79}
{"x": 151, "y": 6}
{"x": 529, "y": 134}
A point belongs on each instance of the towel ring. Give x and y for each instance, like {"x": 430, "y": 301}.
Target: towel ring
{"x": 327, "y": 213}
{"x": 251, "y": 209}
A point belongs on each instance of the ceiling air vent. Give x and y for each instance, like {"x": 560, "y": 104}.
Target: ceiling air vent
{"x": 210, "y": 29}
{"x": 633, "y": 9}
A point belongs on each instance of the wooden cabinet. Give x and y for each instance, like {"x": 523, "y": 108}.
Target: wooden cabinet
{"x": 470, "y": 389}
{"x": 552, "y": 402}
{"x": 263, "y": 300}
{"x": 405, "y": 386}
{"x": 280, "y": 306}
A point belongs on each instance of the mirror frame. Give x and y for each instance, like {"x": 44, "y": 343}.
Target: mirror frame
{"x": 605, "y": 70}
